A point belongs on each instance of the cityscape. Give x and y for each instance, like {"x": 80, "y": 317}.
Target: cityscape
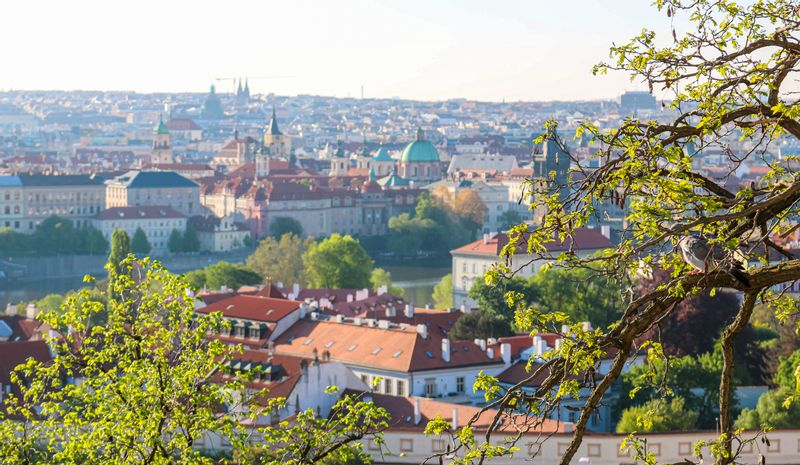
{"x": 240, "y": 275}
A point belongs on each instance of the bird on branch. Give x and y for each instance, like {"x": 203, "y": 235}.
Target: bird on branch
{"x": 706, "y": 257}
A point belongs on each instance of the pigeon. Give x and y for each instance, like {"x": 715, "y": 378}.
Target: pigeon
{"x": 703, "y": 256}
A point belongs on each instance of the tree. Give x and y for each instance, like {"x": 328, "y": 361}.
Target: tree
{"x": 726, "y": 79}
{"x": 492, "y": 299}
{"x": 480, "y": 325}
{"x": 337, "y": 262}
{"x": 93, "y": 241}
{"x": 280, "y": 261}
{"x": 470, "y": 208}
{"x": 788, "y": 373}
{"x": 443, "y": 292}
{"x": 230, "y": 275}
{"x": 771, "y": 410}
{"x": 152, "y": 385}
{"x": 56, "y": 235}
{"x": 139, "y": 243}
{"x": 381, "y": 277}
{"x": 120, "y": 248}
{"x": 175, "y": 241}
{"x": 658, "y": 416}
{"x": 580, "y": 293}
{"x": 190, "y": 241}
{"x": 50, "y": 303}
{"x": 508, "y": 219}
{"x": 285, "y": 225}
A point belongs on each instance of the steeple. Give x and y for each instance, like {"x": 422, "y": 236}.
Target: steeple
{"x": 420, "y": 134}
{"x": 372, "y": 174}
{"x": 246, "y": 88}
{"x": 339, "y": 151}
{"x": 273, "y": 125}
{"x": 364, "y": 151}
{"x": 160, "y": 128}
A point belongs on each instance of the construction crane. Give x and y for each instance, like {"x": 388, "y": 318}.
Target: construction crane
{"x": 248, "y": 79}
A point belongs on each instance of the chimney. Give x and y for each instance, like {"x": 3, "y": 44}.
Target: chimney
{"x": 409, "y": 311}
{"x": 280, "y": 285}
{"x": 383, "y": 324}
{"x": 454, "y": 423}
{"x": 11, "y": 310}
{"x": 559, "y": 343}
{"x": 482, "y": 343}
{"x": 485, "y": 238}
{"x": 296, "y": 289}
{"x": 491, "y": 341}
{"x": 490, "y": 353}
{"x": 349, "y": 298}
{"x": 446, "y": 350}
{"x": 605, "y": 230}
{"x": 303, "y": 310}
{"x": 564, "y": 329}
{"x": 464, "y": 309}
{"x": 587, "y": 326}
{"x": 357, "y": 321}
{"x": 391, "y": 312}
{"x": 417, "y": 412}
{"x": 383, "y": 289}
{"x": 32, "y": 311}
{"x": 340, "y": 318}
{"x": 505, "y": 353}
{"x": 423, "y": 331}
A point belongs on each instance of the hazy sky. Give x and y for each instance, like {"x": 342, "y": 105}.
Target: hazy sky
{"x": 422, "y": 49}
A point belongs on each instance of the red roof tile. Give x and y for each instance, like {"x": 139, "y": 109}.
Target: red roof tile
{"x": 252, "y": 307}
{"x": 585, "y": 239}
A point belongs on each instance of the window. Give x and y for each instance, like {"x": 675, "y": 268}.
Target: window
{"x": 365, "y": 379}
{"x": 460, "y": 385}
{"x": 406, "y": 445}
{"x": 400, "y": 388}
{"x": 387, "y": 386}
{"x": 438, "y": 445}
{"x": 593, "y": 450}
{"x": 430, "y": 387}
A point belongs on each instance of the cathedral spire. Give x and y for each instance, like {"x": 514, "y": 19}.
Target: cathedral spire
{"x": 273, "y": 125}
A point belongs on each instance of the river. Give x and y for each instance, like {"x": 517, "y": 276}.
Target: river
{"x": 418, "y": 283}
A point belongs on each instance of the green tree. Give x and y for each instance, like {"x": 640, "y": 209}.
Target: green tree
{"x": 280, "y": 261}
{"x": 337, "y": 262}
{"x": 492, "y": 299}
{"x": 175, "y": 241}
{"x": 139, "y": 243}
{"x": 285, "y": 225}
{"x": 772, "y": 410}
{"x": 190, "y": 241}
{"x": 581, "y": 294}
{"x": 120, "y": 248}
{"x": 152, "y": 385}
{"x": 658, "y": 416}
{"x": 381, "y": 277}
{"x": 480, "y": 325}
{"x": 93, "y": 241}
{"x": 50, "y": 303}
{"x": 443, "y": 292}
{"x": 56, "y": 235}
{"x": 726, "y": 74}
{"x": 247, "y": 241}
{"x": 508, "y": 219}
{"x": 230, "y": 275}
{"x": 788, "y": 372}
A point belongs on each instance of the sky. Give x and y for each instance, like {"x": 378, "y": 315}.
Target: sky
{"x": 489, "y": 50}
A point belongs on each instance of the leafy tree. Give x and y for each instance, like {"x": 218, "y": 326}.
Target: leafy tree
{"x": 728, "y": 78}
{"x": 120, "y": 248}
{"x": 285, "y": 225}
{"x": 480, "y": 325}
{"x": 50, "y": 303}
{"x": 56, "y": 235}
{"x": 492, "y": 299}
{"x": 508, "y": 219}
{"x": 788, "y": 373}
{"x": 230, "y": 275}
{"x": 93, "y": 241}
{"x": 657, "y": 416}
{"x": 175, "y": 241}
{"x": 280, "y": 261}
{"x": 139, "y": 243}
{"x": 381, "y": 277}
{"x": 470, "y": 208}
{"x": 190, "y": 241}
{"x": 152, "y": 385}
{"x": 771, "y": 410}
{"x": 337, "y": 262}
{"x": 581, "y": 294}
{"x": 247, "y": 241}
{"x": 407, "y": 234}
{"x": 443, "y": 292}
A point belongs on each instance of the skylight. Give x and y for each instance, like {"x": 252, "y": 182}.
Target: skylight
{"x": 329, "y": 345}
{"x": 352, "y": 347}
{"x": 397, "y": 354}
{"x": 376, "y": 351}
{"x": 308, "y": 341}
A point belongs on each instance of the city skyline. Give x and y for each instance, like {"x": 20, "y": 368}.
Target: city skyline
{"x": 410, "y": 51}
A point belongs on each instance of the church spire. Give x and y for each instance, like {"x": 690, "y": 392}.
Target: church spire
{"x": 273, "y": 125}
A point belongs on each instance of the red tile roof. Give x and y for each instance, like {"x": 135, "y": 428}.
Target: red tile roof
{"x": 182, "y": 125}
{"x": 251, "y": 307}
{"x": 16, "y": 353}
{"x": 399, "y": 349}
{"x": 401, "y": 410}
{"x": 585, "y": 239}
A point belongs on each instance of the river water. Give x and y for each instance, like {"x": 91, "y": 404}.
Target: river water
{"x": 418, "y": 283}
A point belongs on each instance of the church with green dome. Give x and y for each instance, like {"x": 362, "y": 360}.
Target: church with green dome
{"x": 420, "y": 160}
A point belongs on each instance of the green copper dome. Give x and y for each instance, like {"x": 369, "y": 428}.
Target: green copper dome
{"x": 382, "y": 155}
{"x": 420, "y": 151}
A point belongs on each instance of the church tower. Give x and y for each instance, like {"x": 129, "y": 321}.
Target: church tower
{"x": 162, "y": 148}
{"x": 339, "y": 163}
{"x": 277, "y": 143}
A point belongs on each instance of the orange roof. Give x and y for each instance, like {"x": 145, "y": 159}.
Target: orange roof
{"x": 400, "y": 348}
{"x": 585, "y": 239}
{"x": 401, "y": 410}
{"x": 252, "y": 307}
